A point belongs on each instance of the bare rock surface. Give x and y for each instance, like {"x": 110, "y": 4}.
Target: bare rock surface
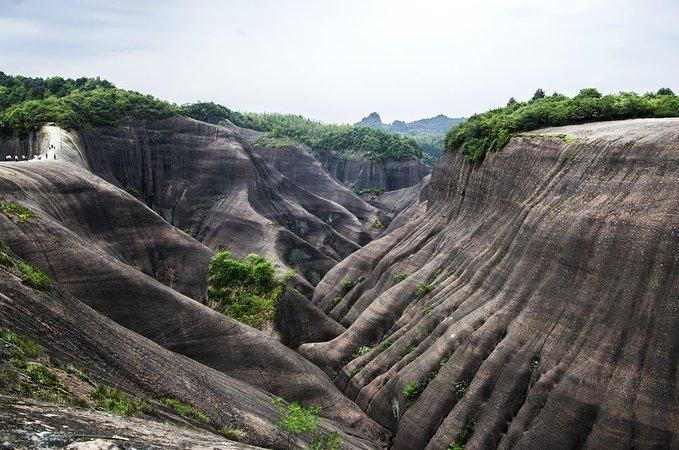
{"x": 358, "y": 172}
{"x": 91, "y": 237}
{"x": 28, "y": 423}
{"x": 537, "y": 302}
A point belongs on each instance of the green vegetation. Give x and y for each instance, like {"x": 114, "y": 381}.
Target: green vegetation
{"x": 492, "y": 130}
{"x": 213, "y": 113}
{"x": 21, "y": 345}
{"x": 362, "y": 350}
{"x": 297, "y": 419}
{"x": 5, "y": 259}
{"x": 113, "y": 400}
{"x": 376, "y": 225}
{"x": 427, "y": 309}
{"x": 28, "y": 103}
{"x": 373, "y": 144}
{"x": 463, "y": 436}
{"x": 336, "y": 300}
{"x": 423, "y": 289}
{"x": 412, "y": 391}
{"x": 347, "y": 284}
{"x": 34, "y": 278}
{"x": 20, "y": 211}
{"x": 385, "y": 345}
{"x": 330, "y": 440}
{"x": 78, "y": 372}
{"x": 369, "y": 191}
{"x": 185, "y": 410}
{"x": 410, "y": 348}
{"x": 459, "y": 389}
{"x": 234, "y": 434}
{"x": 246, "y": 291}
{"x": 400, "y": 276}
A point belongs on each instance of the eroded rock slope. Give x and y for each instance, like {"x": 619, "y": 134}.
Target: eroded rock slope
{"x": 530, "y": 301}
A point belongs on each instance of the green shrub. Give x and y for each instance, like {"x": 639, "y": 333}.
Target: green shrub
{"x": 369, "y": 191}
{"x": 21, "y": 345}
{"x": 79, "y": 373}
{"x": 347, "y": 284}
{"x": 34, "y": 278}
{"x": 113, "y": 400}
{"x": 412, "y": 391}
{"x": 400, "y": 276}
{"x": 426, "y": 309}
{"x": 460, "y": 388}
{"x": 410, "y": 348}
{"x": 297, "y": 419}
{"x": 492, "y": 130}
{"x": 186, "y": 410}
{"x": 463, "y": 436}
{"x": 246, "y": 290}
{"x": 385, "y": 345}
{"x": 330, "y": 440}
{"x": 423, "y": 289}
{"x": 19, "y": 211}
{"x": 360, "y": 351}
{"x": 336, "y": 300}
{"x": 376, "y": 225}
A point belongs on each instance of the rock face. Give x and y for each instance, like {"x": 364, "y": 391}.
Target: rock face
{"x": 74, "y": 333}
{"x": 59, "y": 427}
{"x": 358, "y": 172}
{"x": 117, "y": 256}
{"x": 538, "y": 301}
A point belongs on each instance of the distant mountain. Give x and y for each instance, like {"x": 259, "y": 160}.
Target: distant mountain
{"x": 440, "y": 124}
{"x": 429, "y": 133}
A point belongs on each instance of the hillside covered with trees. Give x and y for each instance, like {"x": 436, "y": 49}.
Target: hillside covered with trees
{"x": 284, "y": 129}
{"x": 28, "y": 103}
{"x": 493, "y": 129}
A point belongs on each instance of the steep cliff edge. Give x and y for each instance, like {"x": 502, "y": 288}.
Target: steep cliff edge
{"x": 529, "y": 301}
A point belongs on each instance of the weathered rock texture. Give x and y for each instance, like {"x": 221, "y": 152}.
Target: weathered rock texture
{"x": 27, "y": 423}
{"x": 548, "y": 306}
{"x": 114, "y": 254}
{"x": 358, "y": 172}
{"x": 74, "y": 333}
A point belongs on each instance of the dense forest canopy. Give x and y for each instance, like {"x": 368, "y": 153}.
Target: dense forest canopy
{"x": 28, "y": 103}
{"x": 493, "y": 129}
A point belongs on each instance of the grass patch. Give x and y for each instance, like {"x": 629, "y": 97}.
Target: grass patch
{"x": 34, "y": 278}
{"x": 5, "y": 259}
{"x": 18, "y": 210}
{"x": 463, "y": 436}
{"x": 423, "y": 289}
{"x": 186, "y": 410}
{"x": 233, "y": 434}
{"x": 330, "y": 440}
{"x": 412, "y": 391}
{"x": 400, "y": 276}
{"x": 385, "y": 345}
{"x": 21, "y": 345}
{"x": 296, "y": 418}
{"x": 113, "y": 400}
{"x": 459, "y": 389}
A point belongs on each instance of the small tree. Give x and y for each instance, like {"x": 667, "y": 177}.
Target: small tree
{"x": 538, "y": 94}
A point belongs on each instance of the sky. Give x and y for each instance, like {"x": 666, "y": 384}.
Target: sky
{"x": 337, "y": 61}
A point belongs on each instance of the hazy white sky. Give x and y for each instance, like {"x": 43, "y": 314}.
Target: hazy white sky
{"x": 339, "y": 60}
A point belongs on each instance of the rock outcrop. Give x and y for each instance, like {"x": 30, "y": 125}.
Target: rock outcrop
{"x": 359, "y": 172}
{"x": 117, "y": 256}
{"x": 529, "y": 301}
